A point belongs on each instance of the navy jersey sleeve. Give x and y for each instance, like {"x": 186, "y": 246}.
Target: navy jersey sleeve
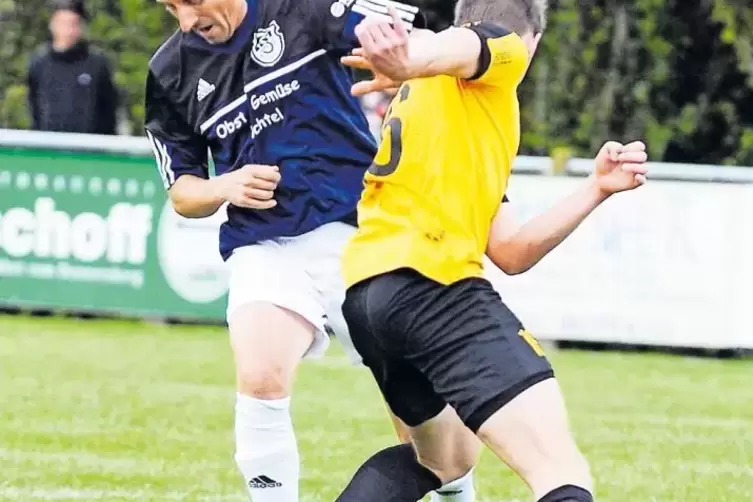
{"x": 178, "y": 149}
{"x": 339, "y": 18}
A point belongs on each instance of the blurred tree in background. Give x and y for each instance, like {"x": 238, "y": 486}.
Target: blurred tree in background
{"x": 677, "y": 73}
{"x": 127, "y": 31}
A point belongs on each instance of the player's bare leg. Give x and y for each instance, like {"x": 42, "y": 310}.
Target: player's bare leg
{"x": 268, "y": 344}
{"x": 450, "y": 450}
{"x": 402, "y": 430}
{"x": 532, "y": 435}
{"x": 458, "y": 488}
{"x": 442, "y": 450}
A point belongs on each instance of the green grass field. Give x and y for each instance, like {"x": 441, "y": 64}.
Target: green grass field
{"x": 114, "y": 411}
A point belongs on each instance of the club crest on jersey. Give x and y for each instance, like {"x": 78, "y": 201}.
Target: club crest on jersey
{"x": 268, "y": 45}
{"x": 338, "y": 8}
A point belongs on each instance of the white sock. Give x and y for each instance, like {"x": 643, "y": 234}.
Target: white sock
{"x": 265, "y": 449}
{"x": 460, "y": 490}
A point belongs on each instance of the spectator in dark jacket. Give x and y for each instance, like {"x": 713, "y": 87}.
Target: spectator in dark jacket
{"x": 70, "y": 84}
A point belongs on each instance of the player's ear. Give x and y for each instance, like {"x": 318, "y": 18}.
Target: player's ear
{"x": 532, "y": 42}
{"x": 536, "y": 40}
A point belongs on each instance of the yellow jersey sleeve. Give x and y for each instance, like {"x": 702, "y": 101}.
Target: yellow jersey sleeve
{"x": 504, "y": 57}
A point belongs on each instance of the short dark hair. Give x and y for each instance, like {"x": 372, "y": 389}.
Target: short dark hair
{"x": 76, "y": 6}
{"x": 519, "y": 16}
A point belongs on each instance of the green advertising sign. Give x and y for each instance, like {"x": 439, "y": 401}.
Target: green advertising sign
{"x": 95, "y": 232}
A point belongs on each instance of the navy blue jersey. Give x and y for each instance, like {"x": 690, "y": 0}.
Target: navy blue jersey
{"x": 274, "y": 94}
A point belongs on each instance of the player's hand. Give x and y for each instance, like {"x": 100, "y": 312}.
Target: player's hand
{"x": 385, "y": 45}
{"x": 380, "y": 82}
{"x": 252, "y": 186}
{"x": 620, "y": 167}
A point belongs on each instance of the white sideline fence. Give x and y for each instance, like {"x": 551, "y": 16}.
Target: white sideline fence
{"x": 670, "y": 264}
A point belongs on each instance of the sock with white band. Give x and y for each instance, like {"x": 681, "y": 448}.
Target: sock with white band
{"x": 460, "y": 490}
{"x": 266, "y": 449}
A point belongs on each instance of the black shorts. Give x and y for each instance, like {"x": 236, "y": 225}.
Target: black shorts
{"x": 429, "y": 345}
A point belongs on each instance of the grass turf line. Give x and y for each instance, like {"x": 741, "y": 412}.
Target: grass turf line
{"x": 118, "y": 411}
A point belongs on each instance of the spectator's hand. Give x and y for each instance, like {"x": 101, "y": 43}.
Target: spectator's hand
{"x": 380, "y": 82}
{"x": 620, "y": 167}
{"x": 252, "y": 186}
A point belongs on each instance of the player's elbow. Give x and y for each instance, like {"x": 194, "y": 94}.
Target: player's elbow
{"x": 509, "y": 259}
{"x": 192, "y": 197}
{"x": 190, "y": 208}
{"x": 186, "y": 210}
{"x": 511, "y": 266}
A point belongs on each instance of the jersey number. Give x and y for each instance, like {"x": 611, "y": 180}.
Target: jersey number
{"x": 395, "y": 125}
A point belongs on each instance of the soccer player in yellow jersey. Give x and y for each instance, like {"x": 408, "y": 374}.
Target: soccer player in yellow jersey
{"x": 451, "y": 360}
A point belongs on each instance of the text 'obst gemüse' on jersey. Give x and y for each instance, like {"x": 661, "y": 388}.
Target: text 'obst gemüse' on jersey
{"x": 260, "y": 122}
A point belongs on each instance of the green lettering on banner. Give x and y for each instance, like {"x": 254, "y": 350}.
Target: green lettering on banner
{"x": 95, "y": 232}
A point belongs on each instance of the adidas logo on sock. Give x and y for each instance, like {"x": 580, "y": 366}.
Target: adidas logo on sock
{"x": 263, "y": 482}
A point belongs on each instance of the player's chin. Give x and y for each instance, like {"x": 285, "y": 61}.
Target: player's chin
{"x": 213, "y": 34}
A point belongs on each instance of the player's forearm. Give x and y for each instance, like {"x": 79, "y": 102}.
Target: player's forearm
{"x": 454, "y": 52}
{"x": 194, "y": 197}
{"x": 537, "y": 238}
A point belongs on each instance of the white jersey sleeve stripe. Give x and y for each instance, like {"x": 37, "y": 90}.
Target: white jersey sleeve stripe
{"x": 384, "y": 4}
{"x": 157, "y": 157}
{"x": 164, "y": 162}
{"x": 379, "y": 9}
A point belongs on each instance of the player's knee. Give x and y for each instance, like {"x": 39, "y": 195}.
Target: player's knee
{"x": 454, "y": 460}
{"x": 446, "y": 446}
{"x": 403, "y": 436}
{"x": 401, "y": 430}
{"x": 264, "y": 381}
{"x": 268, "y": 344}
{"x": 449, "y": 468}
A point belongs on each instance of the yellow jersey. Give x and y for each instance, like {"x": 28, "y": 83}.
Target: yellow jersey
{"x": 442, "y": 168}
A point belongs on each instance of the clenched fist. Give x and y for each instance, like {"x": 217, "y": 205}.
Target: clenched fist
{"x": 620, "y": 167}
{"x": 252, "y": 186}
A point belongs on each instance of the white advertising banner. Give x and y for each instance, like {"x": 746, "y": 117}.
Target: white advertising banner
{"x": 668, "y": 265}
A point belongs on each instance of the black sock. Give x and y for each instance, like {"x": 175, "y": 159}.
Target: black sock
{"x": 568, "y": 493}
{"x": 392, "y": 475}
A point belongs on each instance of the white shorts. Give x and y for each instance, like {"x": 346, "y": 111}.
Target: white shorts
{"x": 301, "y": 274}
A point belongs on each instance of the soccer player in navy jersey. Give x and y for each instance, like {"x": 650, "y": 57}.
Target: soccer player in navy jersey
{"x": 258, "y": 85}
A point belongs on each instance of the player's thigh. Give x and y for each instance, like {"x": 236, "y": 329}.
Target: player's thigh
{"x": 480, "y": 359}
{"x": 274, "y": 316}
{"x": 407, "y": 393}
{"x": 355, "y": 310}
{"x": 532, "y": 435}
{"x": 473, "y": 350}
{"x": 268, "y": 343}
{"x": 420, "y": 416}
